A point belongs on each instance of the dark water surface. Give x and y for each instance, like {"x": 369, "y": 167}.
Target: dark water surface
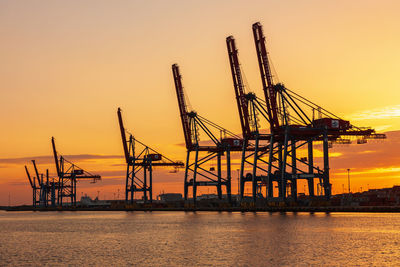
{"x": 198, "y": 239}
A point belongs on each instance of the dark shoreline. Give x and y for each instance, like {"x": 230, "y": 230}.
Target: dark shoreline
{"x": 325, "y": 209}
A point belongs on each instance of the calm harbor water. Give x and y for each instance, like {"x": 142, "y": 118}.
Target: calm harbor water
{"x": 198, "y": 239}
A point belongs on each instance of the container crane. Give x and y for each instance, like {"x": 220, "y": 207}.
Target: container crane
{"x": 44, "y": 191}
{"x": 293, "y": 126}
{"x": 32, "y": 182}
{"x": 43, "y": 186}
{"x": 68, "y": 174}
{"x": 196, "y": 173}
{"x": 252, "y": 112}
{"x": 140, "y": 165}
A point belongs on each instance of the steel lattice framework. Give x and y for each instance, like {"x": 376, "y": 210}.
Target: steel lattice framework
{"x": 68, "y": 174}
{"x": 44, "y": 192}
{"x": 140, "y": 160}
{"x": 292, "y": 124}
{"x": 200, "y": 154}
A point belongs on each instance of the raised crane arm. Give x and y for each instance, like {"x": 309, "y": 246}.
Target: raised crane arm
{"x": 37, "y": 173}
{"x": 123, "y": 135}
{"x": 238, "y": 85}
{"x": 29, "y": 177}
{"x": 182, "y": 106}
{"x": 266, "y": 76}
{"x": 55, "y": 156}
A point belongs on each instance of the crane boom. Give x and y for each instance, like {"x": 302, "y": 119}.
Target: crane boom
{"x": 266, "y": 76}
{"x": 238, "y": 86}
{"x": 36, "y": 171}
{"x": 29, "y": 177}
{"x": 55, "y": 156}
{"x": 182, "y": 106}
{"x": 123, "y": 135}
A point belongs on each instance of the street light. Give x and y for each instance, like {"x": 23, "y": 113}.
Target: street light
{"x": 348, "y": 178}
{"x": 238, "y": 181}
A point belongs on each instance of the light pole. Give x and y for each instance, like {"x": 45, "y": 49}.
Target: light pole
{"x": 348, "y": 178}
{"x": 238, "y": 181}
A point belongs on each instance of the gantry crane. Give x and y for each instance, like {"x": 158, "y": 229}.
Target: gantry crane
{"x": 45, "y": 190}
{"x": 32, "y": 182}
{"x": 193, "y": 124}
{"x": 43, "y": 186}
{"x": 68, "y": 174}
{"x": 293, "y": 125}
{"x": 140, "y": 165}
{"x": 251, "y": 111}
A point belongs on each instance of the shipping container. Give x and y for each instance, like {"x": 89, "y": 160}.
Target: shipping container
{"x": 78, "y": 172}
{"x": 154, "y": 157}
{"x": 233, "y": 142}
{"x": 332, "y": 124}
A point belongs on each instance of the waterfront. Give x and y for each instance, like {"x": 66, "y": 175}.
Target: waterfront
{"x": 200, "y": 239}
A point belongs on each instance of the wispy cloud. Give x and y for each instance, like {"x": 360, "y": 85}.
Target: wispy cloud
{"x": 393, "y": 169}
{"x": 377, "y": 113}
{"x": 50, "y": 159}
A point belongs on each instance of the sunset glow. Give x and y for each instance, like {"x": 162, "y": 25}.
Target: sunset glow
{"x": 67, "y": 66}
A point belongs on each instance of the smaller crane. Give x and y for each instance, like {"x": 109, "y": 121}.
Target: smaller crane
{"x": 32, "y": 182}
{"x": 68, "y": 174}
{"x": 42, "y": 186}
{"x": 139, "y": 172}
{"x": 44, "y": 191}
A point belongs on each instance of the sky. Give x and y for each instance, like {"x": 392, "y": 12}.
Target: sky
{"x": 66, "y": 66}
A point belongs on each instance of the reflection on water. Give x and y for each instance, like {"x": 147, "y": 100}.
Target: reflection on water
{"x": 202, "y": 238}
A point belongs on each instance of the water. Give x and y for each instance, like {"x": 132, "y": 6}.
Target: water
{"x": 198, "y": 239}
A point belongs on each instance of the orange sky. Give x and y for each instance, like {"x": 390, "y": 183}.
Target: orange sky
{"x": 66, "y": 67}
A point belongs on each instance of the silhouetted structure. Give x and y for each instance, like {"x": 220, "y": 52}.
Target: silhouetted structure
{"x": 193, "y": 124}
{"x": 68, "y": 175}
{"x": 44, "y": 192}
{"x": 139, "y": 171}
{"x": 293, "y": 125}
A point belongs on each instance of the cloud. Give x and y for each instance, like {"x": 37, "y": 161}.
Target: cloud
{"x": 378, "y": 113}
{"x": 374, "y": 154}
{"x": 50, "y": 159}
{"x": 180, "y": 144}
{"x": 112, "y": 174}
{"x": 366, "y": 152}
{"x": 384, "y": 170}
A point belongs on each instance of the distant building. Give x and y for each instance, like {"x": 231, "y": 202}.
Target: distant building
{"x": 207, "y": 196}
{"x": 372, "y": 197}
{"x": 86, "y": 201}
{"x": 170, "y": 197}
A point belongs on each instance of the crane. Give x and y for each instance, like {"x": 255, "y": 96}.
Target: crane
{"x": 68, "y": 174}
{"x": 205, "y": 151}
{"x": 251, "y": 112}
{"x": 32, "y": 182}
{"x": 266, "y": 76}
{"x": 140, "y": 165}
{"x": 293, "y": 126}
{"x": 44, "y": 190}
{"x": 42, "y": 186}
